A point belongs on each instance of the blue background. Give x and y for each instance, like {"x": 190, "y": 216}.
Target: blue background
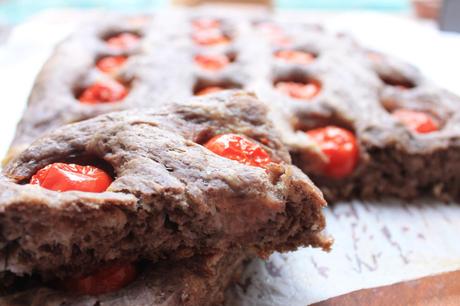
{"x": 17, "y": 10}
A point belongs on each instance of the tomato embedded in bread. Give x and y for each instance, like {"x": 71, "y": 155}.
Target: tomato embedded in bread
{"x": 416, "y": 121}
{"x": 205, "y": 23}
{"x": 209, "y": 90}
{"x": 298, "y": 90}
{"x": 210, "y": 37}
{"x": 295, "y": 57}
{"x": 68, "y": 177}
{"x": 340, "y": 148}
{"x": 123, "y": 41}
{"x": 212, "y": 61}
{"x": 105, "y": 280}
{"x": 239, "y": 148}
{"x": 111, "y": 64}
{"x": 103, "y": 92}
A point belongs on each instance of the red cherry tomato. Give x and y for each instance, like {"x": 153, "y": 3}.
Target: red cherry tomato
{"x": 295, "y": 57}
{"x": 105, "y": 280}
{"x": 208, "y": 90}
{"x": 123, "y": 41}
{"x": 416, "y": 121}
{"x": 66, "y": 177}
{"x": 340, "y": 148}
{"x": 111, "y": 64}
{"x": 103, "y": 92}
{"x": 296, "y": 90}
{"x": 205, "y": 23}
{"x": 210, "y": 37}
{"x": 237, "y": 147}
{"x": 212, "y": 62}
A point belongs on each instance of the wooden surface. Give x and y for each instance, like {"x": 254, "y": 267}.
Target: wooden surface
{"x": 442, "y": 290}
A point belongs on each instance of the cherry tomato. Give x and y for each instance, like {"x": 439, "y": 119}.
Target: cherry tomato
{"x": 212, "y": 62}
{"x": 66, "y": 177}
{"x": 210, "y": 37}
{"x": 416, "y": 121}
{"x": 239, "y": 148}
{"x": 123, "y": 41}
{"x": 295, "y": 57}
{"x": 296, "y": 90}
{"x": 340, "y": 148}
{"x": 205, "y": 23}
{"x": 103, "y": 92}
{"x": 105, "y": 280}
{"x": 209, "y": 90}
{"x": 111, "y": 64}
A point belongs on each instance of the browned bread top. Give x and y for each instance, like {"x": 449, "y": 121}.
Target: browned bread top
{"x": 170, "y": 198}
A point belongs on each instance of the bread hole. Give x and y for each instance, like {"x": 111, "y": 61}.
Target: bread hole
{"x": 203, "y": 87}
{"x": 173, "y": 226}
{"x": 211, "y": 37}
{"x": 204, "y": 135}
{"x": 102, "y": 91}
{"x": 78, "y": 159}
{"x": 122, "y": 40}
{"x": 232, "y": 56}
{"x": 317, "y": 120}
{"x": 110, "y": 64}
{"x": 295, "y": 56}
{"x": 214, "y": 61}
{"x": 90, "y": 160}
{"x": 202, "y": 23}
{"x": 417, "y": 120}
{"x": 397, "y": 81}
{"x": 298, "y": 86}
{"x": 336, "y": 153}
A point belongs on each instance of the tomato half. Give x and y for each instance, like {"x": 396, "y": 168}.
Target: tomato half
{"x": 205, "y": 23}
{"x": 111, "y": 64}
{"x": 297, "y": 90}
{"x": 208, "y": 90}
{"x": 340, "y": 148}
{"x": 295, "y": 57}
{"x": 103, "y": 92}
{"x": 212, "y": 62}
{"x": 105, "y": 280}
{"x": 239, "y": 148}
{"x": 210, "y": 37}
{"x": 416, "y": 121}
{"x": 67, "y": 177}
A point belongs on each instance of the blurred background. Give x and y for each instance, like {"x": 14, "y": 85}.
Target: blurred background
{"x": 14, "y": 11}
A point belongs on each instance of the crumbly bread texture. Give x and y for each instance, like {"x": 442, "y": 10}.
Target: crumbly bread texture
{"x": 195, "y": 281}
{"x": 171, "y": 198}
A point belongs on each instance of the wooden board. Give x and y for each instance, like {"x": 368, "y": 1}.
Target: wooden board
{"x": 442, "y": 290}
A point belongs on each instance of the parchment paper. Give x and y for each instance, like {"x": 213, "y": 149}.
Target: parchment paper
{"x": 376, "y": 243}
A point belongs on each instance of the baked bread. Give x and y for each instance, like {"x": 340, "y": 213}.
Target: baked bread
{"x": 171, "y": 197}
{"x": 196, "y": 281}
{"x": 404, "y": 130}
